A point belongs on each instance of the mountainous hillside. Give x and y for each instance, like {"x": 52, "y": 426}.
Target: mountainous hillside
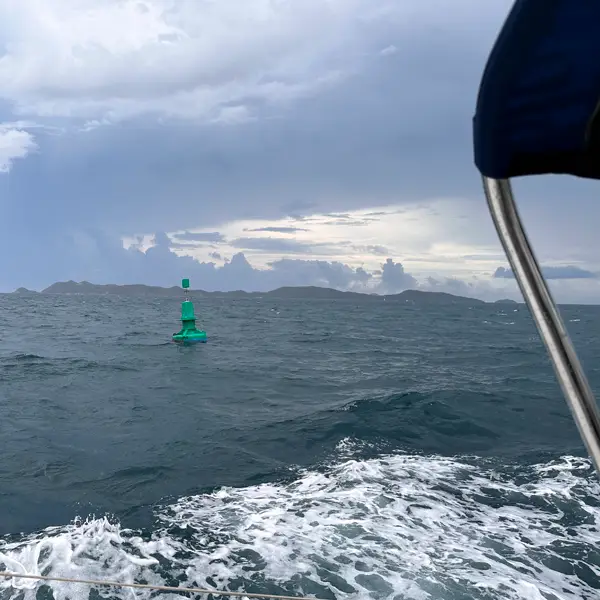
{"x": 306, "y": 292}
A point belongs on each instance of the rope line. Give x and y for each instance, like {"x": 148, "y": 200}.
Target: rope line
{"x": 148, "y": 586}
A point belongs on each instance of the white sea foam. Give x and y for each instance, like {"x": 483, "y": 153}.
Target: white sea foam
{"x": 393, "y": 527}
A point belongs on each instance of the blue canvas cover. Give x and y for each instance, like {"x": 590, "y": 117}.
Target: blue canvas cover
{"x": 538, "y": 104}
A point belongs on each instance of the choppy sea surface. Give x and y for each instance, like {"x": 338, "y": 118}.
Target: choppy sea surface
{"x": 338, "y": 449}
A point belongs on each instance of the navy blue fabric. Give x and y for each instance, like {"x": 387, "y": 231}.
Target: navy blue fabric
{"x": 540, "y": 92}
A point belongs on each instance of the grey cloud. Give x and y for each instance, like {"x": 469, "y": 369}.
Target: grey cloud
{"x": 566, "y": 272}
{"x": 106, "y": 261}
{"x": 338, "y": 215}
{"x": 373, "y": 139}
{"x": 363, "y": 276}
{"x": 319, "y": 272}
{"x": 277, "y": 229}
{"x": 210, "y": 236}
{"x": 301, "y": 218}
{"x": 367, "y": 248}
{"x": 356, "y": 223}
{"x": 503, "y": 273}
{"x": 394, "y": 278}
{"x": 298, "y": 206}
{"x": 349, "y": 220}
{"x": 270, "y": 244}
{"x": 187, "y": 245}
{"x": 373, "y": 249}
{"x": 498, "y": 256}
{"x": 449, "y": 285}
{"x": 397, "y": 132}
{"x": 475, "y": 289}
{"x": 102, "y": 259}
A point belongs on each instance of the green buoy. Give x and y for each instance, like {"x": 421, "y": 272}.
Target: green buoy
{"x": 188, "y": 334}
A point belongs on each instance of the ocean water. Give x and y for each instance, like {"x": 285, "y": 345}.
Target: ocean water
{"x": 337, "y": 449}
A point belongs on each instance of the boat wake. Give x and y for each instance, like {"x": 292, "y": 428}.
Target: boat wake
{"x": 393, "y": 527}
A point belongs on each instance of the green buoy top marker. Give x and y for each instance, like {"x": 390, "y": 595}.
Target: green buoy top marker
{"x": 188, "y": 334}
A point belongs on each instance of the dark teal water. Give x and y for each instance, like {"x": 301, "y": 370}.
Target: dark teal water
{"x": 343, "y": 449}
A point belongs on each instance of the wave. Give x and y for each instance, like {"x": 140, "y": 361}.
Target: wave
{"x": 399, "y": 526}
{"x": 443, "y": 421}
{"x": 18, "y": 366}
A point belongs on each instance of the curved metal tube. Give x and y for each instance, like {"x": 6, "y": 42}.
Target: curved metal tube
{"x": 525, "y": 267}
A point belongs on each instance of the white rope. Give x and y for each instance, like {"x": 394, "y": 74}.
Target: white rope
{"x": 147, "y": 586}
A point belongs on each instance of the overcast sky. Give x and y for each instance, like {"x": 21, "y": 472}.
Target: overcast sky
{"x": 257, "y": 143}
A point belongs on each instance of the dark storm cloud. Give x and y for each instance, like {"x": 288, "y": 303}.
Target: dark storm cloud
{"x": 397, "y": 129}
{"x": 376, "y": 137}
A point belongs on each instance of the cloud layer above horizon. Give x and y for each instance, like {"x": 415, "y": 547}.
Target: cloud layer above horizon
{"x": 322, "y": 142}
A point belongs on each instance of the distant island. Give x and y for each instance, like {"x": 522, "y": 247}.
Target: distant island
{"x": 304, "y": 292}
